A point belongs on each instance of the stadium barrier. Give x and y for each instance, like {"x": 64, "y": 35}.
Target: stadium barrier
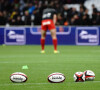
{"x": 66, "y": 35}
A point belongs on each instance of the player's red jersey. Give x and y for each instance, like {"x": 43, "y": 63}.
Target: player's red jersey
{"x": 47, "y": 19}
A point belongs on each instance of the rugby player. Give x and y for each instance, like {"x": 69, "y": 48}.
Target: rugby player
{"x": 49, "y": 18}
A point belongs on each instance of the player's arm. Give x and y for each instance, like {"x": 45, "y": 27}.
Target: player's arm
{"x": 54, "y": 18}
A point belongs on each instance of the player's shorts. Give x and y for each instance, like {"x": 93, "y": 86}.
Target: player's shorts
{"x": 47, "y": 24}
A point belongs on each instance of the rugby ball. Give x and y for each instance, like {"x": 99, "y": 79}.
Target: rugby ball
{"x": 56, "y": 77}
{"x": 79, "y": 77}
{"x": 18, "y": 77}
{"x": 89, "y": 75}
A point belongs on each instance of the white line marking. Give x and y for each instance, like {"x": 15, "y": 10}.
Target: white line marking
{"x": 18, "y": 84}
{"x": 30, "y": 56}
{"x": 95, "y": 81}
{"x": 4, "y": 62}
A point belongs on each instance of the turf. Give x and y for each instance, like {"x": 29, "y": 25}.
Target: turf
{"x": 70, "y": 60}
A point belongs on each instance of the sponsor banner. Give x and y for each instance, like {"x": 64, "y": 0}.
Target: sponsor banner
{"x": 66, "y": 35}
{"x": 87, "y": 36}
{"x": 14, "y": 36}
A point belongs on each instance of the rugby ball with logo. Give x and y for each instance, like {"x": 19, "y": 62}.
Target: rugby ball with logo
{"x": 18, "y": 77}
{"x": 79, "y": 77}
{"x": 56, "y": 77}
{"x": 89, "y": 75}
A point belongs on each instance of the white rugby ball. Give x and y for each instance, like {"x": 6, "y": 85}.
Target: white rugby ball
{"x": 89, "y": 75}
{"x": 18, "y": 77}
{"x": 56, "y": 77}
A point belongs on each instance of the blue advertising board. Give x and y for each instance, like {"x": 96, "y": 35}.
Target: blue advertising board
{"x": 14, "y": 36}
{"x": 87, "y": 36}
{"x": 66, "y": 35}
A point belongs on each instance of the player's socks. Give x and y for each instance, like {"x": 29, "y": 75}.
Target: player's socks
{"x": 42, "y": 44}
{"x": 55, "y": 44}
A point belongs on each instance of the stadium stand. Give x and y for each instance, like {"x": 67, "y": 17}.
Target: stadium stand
{"x": 69, "y": 12}
{"x": 89, "y": 3}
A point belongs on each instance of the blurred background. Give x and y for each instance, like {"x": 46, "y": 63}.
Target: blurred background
{"x": 78, "y": 22}
{"x": 69, "y": 12}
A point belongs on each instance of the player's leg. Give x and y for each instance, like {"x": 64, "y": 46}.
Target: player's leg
{"x": 54, "y": 39}
{"x": 43, "y": 35}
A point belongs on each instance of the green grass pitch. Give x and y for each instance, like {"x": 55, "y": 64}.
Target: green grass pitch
{"x": 70, "y": 60}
